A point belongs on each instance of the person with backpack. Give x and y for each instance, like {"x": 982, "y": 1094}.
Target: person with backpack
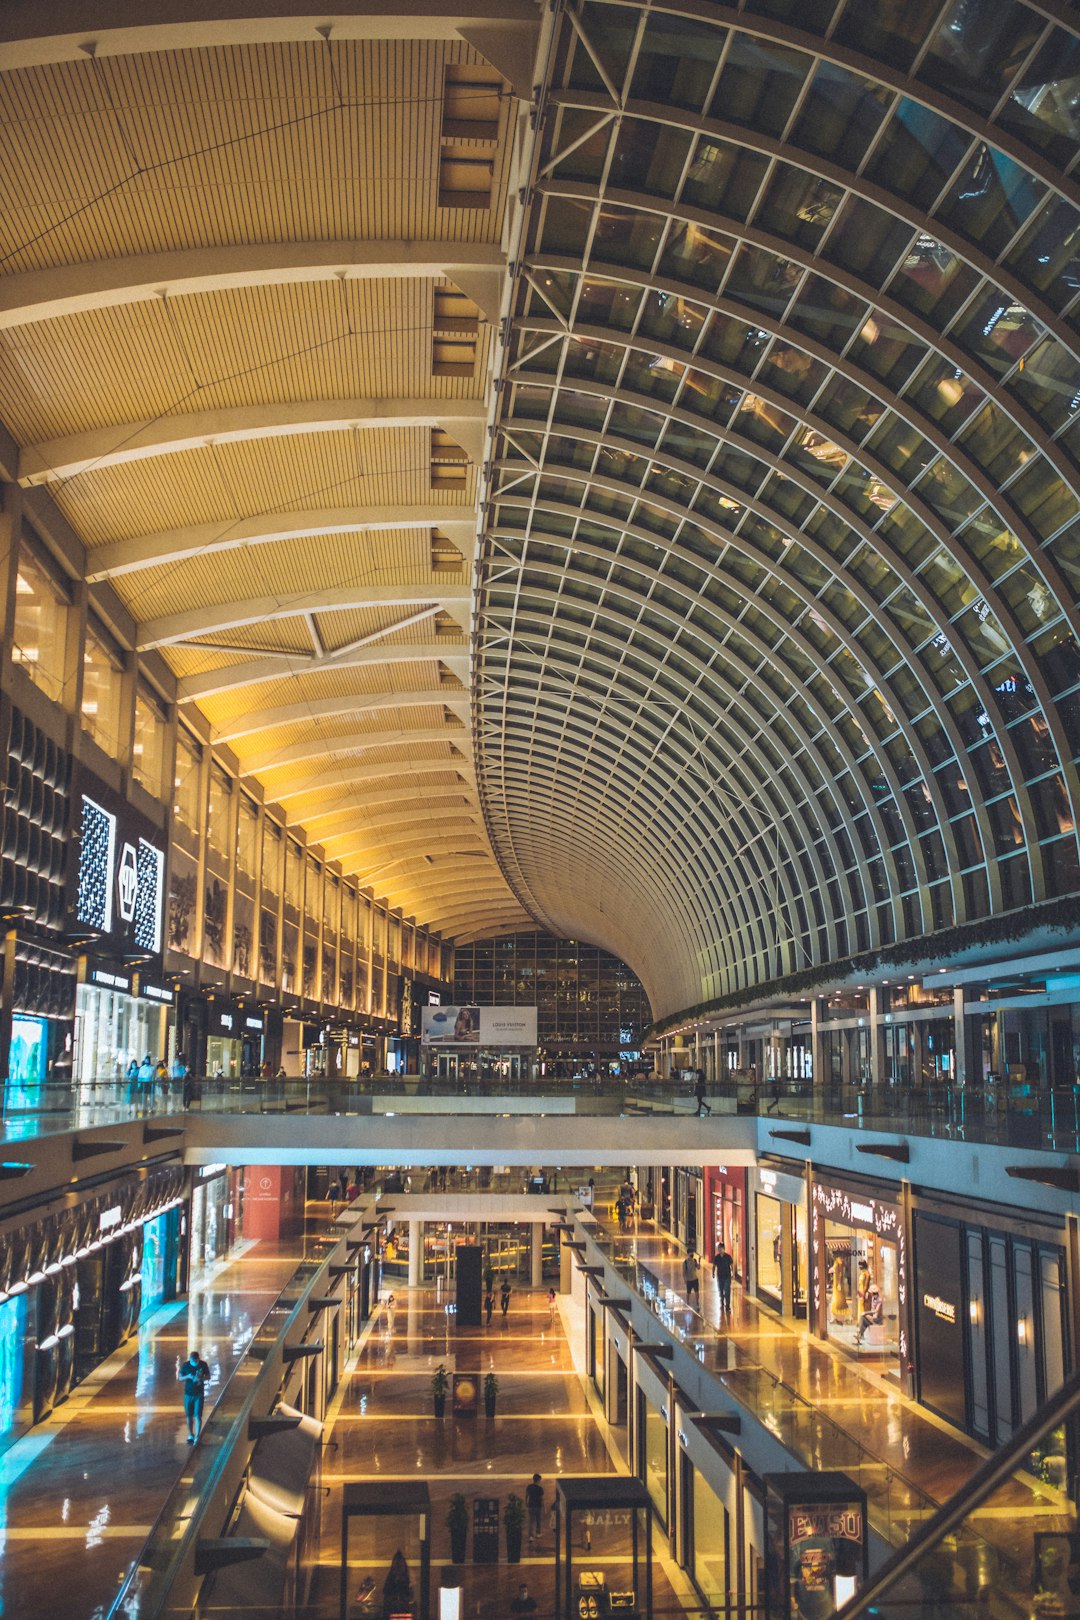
{"x": 690, "y": 1277}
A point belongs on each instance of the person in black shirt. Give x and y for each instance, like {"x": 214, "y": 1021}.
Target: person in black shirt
{"x": 534, "y": 1506}
{"x": 723, "y": 1267}
{"x": 194, "y": 1375}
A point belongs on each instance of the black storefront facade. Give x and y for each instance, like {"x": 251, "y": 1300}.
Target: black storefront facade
{"x": 992, "y": 1317}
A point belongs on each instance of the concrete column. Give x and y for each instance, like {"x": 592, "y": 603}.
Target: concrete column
{"x": 877, "y": 1045}
{"x": 817, "y": 1045}
{"x": 566, "y": 1266}
{"x": 959, "y": 1037}
{"x": 536, "y": 1254}
{"x": 416, "y": 1253}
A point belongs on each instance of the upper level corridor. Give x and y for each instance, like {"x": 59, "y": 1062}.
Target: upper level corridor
{"x": 1021, "y": 1117}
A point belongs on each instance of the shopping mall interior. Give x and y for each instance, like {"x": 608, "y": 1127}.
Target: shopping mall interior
{"x": 540, "y": 673}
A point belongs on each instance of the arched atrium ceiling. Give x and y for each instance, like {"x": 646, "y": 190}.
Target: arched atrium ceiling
{"x": 777, "y": 650}
{"x": 250, "y": 278}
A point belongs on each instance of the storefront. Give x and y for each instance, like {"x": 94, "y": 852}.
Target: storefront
{"x": 214, "y": 1216}
{"x": 116, "y": 1025}
{"x": 118, "y": 898}
{"x": 861, "y": 1275}
{"x": 224, "y": 1041}
{"x": 725, "y": 1195}
{"x": 991, "y": 1322}
{"x": 780, "y": 1239}
{"x": 160, "y": 1260}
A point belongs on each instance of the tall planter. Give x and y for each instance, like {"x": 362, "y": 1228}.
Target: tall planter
{"x": 457, "y": 1523}
{"x": 513, "y": 1525}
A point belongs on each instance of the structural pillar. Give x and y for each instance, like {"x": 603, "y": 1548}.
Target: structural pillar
{"x": 960, "y": 1050}
{"x": 416, "y": 1253}
{"x": 566, "y": 1266}
{"x": 877, "y": 1045}
{"x": 536, "y": 1254}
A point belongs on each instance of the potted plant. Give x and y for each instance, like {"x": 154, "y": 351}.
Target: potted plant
{"x": 513, "y": 1524}
{"x": 440, "y": 1383}
{"x": 457, "y": 1522}
{"x": 491, "y": 1394}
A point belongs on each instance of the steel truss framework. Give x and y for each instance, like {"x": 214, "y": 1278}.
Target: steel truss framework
{"x": 777, "y": 650}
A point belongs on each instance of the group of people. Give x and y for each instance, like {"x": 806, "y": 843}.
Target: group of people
{"x": 489, "y": 1296}
{"x": 723, "y": 1269}
{"x": 626, "y": 1205}
{"x": 149, "y": 1073}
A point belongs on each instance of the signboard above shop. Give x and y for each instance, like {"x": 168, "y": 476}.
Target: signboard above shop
{"x": 479, "y": 1026}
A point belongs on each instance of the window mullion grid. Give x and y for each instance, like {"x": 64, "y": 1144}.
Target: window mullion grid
{"x": 879, "y": 134}
{"x": 1006, "y": 96}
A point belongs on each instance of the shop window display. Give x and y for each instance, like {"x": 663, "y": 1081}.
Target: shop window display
{"x": 862, "y": 1269}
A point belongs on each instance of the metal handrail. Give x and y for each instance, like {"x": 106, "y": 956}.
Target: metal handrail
{"x": 995, "y": 1471}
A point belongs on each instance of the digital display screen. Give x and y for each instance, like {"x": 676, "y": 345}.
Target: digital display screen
{"x": 29, "y": 1050}
{"x": 121, "y": 880}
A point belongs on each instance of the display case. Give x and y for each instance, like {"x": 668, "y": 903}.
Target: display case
{"x": 815, "y": 1544}
{"x": 385, "y": 1550}
{"x": 603, "y": 1549}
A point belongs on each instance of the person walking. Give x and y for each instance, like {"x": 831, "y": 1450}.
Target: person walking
{"x": 504, "y": 1299}
{"x": 699, "y": 1093}
{"x": 690, "y": 1276}
{"x": 489, "y": 1305}
{"x": 194, "y": 1374}
{"x": 534, "y": 1507}
{"x": 723, "y": 1267}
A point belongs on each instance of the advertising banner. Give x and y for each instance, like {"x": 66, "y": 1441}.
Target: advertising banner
{"x": 508, "y": 1026}
{"x": 474, "y": 1026}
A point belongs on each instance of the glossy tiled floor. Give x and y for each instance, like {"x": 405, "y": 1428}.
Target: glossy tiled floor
{"x": 386, "y": 1429}
{"x": 79, "y": 1493}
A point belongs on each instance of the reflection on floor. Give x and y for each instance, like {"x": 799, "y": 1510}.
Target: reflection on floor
{"x": 385, "y": 1429}
{"x": 79, "y": 1493}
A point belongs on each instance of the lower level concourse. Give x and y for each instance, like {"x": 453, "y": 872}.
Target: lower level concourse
{"x": 462, "y": 1403}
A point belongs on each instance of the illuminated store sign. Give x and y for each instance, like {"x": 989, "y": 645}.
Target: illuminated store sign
{"x": 121, "y": 880}
{"x": 106, "y": 980}
{"x": 943, "y": 1309}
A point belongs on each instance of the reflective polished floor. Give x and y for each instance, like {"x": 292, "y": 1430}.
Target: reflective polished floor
{"x": 386, "y": 1429}
{"x": 79, "y": 1493}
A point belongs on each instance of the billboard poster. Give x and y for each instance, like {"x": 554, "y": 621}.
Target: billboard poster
{"x": 450, "y": 1026}
{"x": 508, "y": 1026}
{"x": 825, "y": 1556}
{"x": 475, "y": 1026}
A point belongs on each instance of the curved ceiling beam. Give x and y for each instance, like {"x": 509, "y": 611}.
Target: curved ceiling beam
{"x": 57, "y": 459}
{"x": 353, "y": 778}
{"x": 505, "y": 31}
{"x": 423, "y": 841}
{"x": 253, "y": 672}
{"x": 354, "y": 818}
{"x": 464, "y": 884}
{"x": 353, "y": 742}
{"x": 289, "y": 714}
{"x": 202, "y": 622}
{"x": 175, "y": 545}
{"x": 452, "y": 825}
{"x": 45, "y": 295}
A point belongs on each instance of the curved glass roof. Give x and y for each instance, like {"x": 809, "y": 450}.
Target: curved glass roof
{"x": 777, "y": 646}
